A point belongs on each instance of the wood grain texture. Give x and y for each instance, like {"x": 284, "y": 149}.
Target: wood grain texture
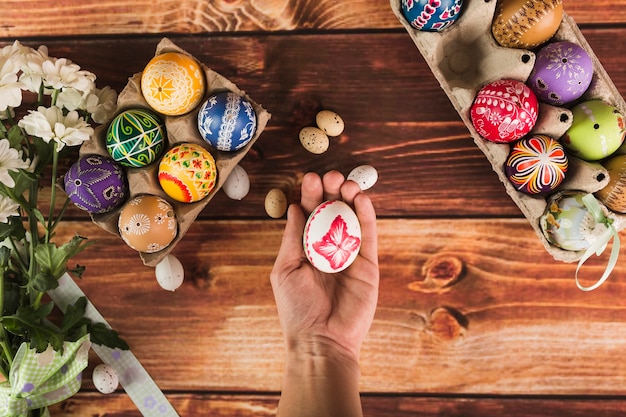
{"x": 510, "y": 321}
{"x": 37, "y": 18}
{"x": 397, "y": 118}
{"x": 249, "y": 405}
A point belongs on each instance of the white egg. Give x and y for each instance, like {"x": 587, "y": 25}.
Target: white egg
{"x": 105, "y": 378}
{"x": 170, "y": 273}
{"x": 330, "y": 122}
{"x": 364, "y": 175}
{"x": 314, "y": 140}
{"x": 237, "y": 184}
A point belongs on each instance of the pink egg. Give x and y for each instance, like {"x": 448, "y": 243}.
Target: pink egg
{"x": 504, "y": 110}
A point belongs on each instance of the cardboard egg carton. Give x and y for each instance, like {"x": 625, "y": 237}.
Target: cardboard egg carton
{"x": 465, "y": 56}
{"x": 179, "y": 129}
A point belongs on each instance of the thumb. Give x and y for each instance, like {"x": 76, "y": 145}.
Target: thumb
{"x": 291, "y": 248}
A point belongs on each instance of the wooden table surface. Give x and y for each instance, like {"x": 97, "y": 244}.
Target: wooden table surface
{"x": 475, "y": 318}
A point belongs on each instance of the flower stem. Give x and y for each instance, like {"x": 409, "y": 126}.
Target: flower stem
{"x": 8, "y": 355}
{"x": 55, "y": 163}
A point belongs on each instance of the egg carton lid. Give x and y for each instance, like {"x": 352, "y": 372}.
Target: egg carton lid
{"x": 179, "y": 129}
{"x": 465, "y": 56}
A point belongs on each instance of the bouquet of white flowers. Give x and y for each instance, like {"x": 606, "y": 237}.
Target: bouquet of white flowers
{"x": 47, "y": 105}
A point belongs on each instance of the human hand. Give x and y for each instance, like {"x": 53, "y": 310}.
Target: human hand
{"x": 334, "y": 311}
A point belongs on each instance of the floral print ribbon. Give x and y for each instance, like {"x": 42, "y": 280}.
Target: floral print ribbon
{"x": 37, "y": 380}
{"x": 600, "y": 243}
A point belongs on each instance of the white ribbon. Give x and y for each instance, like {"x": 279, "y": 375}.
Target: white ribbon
{"x": 600, "y": 244}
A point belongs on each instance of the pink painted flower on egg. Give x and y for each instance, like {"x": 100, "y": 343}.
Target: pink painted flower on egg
{"x": 337, "y": 245}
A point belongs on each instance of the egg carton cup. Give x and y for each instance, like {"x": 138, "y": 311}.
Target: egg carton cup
{"x": 180, "y": 129}
{"x": 465, "y": 57}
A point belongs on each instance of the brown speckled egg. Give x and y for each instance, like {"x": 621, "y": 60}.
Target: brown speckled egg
{"x": 147, "y": 223}
{"x": 526, "y": 24}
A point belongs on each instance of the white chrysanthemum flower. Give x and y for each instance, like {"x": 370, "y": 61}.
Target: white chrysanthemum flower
{"x": 62, "y": 73}
{"x": 10, "y": 160}
{"x": 10, "y": 87}
{"x": 48, "y": 123}
{"x": 71, "y": 99}
{"x": 8, "y": 208}
{"x": 102, "y": 104}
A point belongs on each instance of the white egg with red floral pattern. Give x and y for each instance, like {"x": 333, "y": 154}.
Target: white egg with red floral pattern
{"x": 105, "y": 378}
{"x": 332, "y": 236}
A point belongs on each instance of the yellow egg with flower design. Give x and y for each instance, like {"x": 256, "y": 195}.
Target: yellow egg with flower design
{"x": 173, "y": 83}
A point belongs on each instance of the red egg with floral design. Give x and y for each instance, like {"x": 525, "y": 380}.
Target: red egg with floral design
{"x": 504, "y": 110}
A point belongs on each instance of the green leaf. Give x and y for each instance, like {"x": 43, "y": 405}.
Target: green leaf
{"x": 103, "y": 335}
{"x": 74, "y": 314}
{"x": 43, "y": 281}
{"x": 29, "y": 323}
{"x": 15, "y": 136}
{"x": 53, "y": 260}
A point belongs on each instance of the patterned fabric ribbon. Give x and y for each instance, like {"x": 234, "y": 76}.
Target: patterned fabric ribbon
{"x": 37, "y": 380}
{"x": 133, "y": 377}
{"x": 600, "y": 244}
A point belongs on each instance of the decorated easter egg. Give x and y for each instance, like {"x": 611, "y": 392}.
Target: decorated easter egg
{"x": 504, "y": 110}
{"x": 96, "y": 184}
{"x": 536, "y": 164}
{"x": 136, "y": 138}
{"x": 562, "y": 73}
{"x": 275, "y": 203}
{"x": 429, "y": 15}
{"x": 173, "y": 83}
{"x": 227, "y": 121}
{"x": 364, "y": 175}
{"x": 105, "y": 378}
{"x": 329, "y": 122}
{"x": 568, "y": 224}
{"x": 613, "y": 195}
{"x": 147, "y": 223}
{"x": 314, "y": 140}
{"x": 597, "y": 130}
{"x": 170, "y": 273}
{"x": 187, "y": 172}
{"x": 237, "y": 184}
{"x": 332, "y": 236}
{"x": 526, "y": 24}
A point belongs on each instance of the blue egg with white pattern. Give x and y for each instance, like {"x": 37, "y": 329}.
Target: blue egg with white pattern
{"x": 431, "y": 15}
{"x": 227, "y": 121}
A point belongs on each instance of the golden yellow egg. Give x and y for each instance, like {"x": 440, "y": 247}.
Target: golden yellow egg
{"x": 173, "y": 83}
{"x": 526, "y": 24}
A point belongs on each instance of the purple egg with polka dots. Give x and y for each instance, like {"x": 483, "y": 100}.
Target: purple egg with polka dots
{"x": 562, "y": 73}
{"x": 96, "y": 184}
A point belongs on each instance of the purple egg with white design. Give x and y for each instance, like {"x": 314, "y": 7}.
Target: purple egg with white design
{"x": 562, "y": 73}
{"x": 431, "y": 15}
{"x": 227, "y": 121}
{"x": 96, "y": 184}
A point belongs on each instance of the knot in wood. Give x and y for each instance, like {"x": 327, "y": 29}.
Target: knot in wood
{"x": 442, "y": 271}
{"x": 447, "y": 323}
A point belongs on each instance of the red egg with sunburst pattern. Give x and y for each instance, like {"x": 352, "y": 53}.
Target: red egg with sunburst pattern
{"x": 536, "y": 165}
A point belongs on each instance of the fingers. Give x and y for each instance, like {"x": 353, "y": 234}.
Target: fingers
{"x": 367, "y": 218}
{"x": 312, "y": 192}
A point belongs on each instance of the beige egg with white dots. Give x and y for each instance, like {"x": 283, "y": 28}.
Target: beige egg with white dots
{"x": 275, "y": 203}
{"x": 330, "y": 122}
{"x": 314, "y": 140}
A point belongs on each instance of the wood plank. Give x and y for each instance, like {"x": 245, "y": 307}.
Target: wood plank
{"x": 397, "y": 118}
{"x": 250, "y": 405}
{"x": 511, "y": 323}
{"x": 43, "y": 18}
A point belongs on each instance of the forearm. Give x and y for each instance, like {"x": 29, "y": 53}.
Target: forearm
{"x": 321, "y": 383}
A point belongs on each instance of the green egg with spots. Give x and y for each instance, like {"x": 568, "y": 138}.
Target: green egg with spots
{"x": 597, "y": 130}
{"x": 136, "y": 138}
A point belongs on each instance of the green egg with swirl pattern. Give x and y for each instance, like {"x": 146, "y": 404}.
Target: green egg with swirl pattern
{"x": 136, "y": 138}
